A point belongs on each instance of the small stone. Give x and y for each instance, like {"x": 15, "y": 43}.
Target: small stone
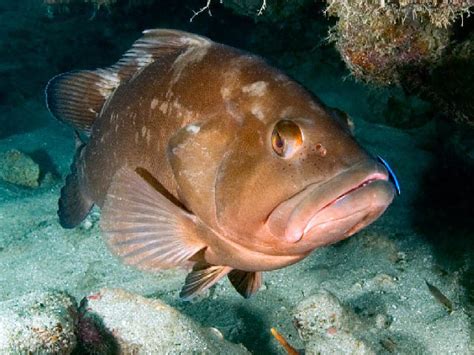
{"x": 327, "y": 326}
{"x": 19, "y": 169}
{"x": 382, "y": 321}
{"x": 38, "y": 323}
{"x": 320, "y": 312}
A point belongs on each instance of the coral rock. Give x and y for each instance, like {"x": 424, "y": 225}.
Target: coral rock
{"x": 39, "y": 323}
{"x": 114, "y": 320}
{"x": 19, "y": 169}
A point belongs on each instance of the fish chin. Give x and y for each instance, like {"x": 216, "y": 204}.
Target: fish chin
{"x": 327, "y": 212}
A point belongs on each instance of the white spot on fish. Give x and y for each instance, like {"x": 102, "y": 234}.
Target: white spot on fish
{"x": 144, "y": 129}
{"x": 257, "y": 112}
{"x": 164, "y": 107}
{"x": 232, "y": 110}
{"x": 225, "y": 93}
{"x": 257, "y": 88}
{"x": 148, "y": 137}
{"x": 193, "y": 128}
{"x": 154, "y": 103}
{"x": 287, "y": 112}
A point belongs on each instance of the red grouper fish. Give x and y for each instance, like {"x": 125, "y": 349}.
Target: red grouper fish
{"x": 203, "y": 156}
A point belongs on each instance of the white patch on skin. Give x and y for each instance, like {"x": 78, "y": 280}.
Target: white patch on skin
{"x": 154, "y": 103}
{"x": 164, "y": 107}
{"x": 257, "y": 112}
{"x": 193, "y": 128}
{"x": 232, "y": 110}
{"x": 257, "y": 88}
{"x": 282, "y": 77}
{"x": 315, "y": 107}
{"x": 225, "y": 93}
{"x": 148, "y": 137}
{"x": 196, "y": 52}
{"x": 287, "y": 112}
{"x": 144, "y": 129}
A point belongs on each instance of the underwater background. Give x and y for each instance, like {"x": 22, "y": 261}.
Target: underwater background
{"x": 405, "y": 76}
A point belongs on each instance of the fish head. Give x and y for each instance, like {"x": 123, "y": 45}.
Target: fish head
{"x": 295, "y": 178}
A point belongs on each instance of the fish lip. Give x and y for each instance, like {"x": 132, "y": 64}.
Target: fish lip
{"x": 333, "y": 190}
{"x": 370, "y": 178}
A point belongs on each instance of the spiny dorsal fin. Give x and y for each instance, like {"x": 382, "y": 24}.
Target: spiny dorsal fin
{"x": 246, "y": 283}
{"x": 78, "y": 97}
{"x": 146, "y": 229}
{"x": 202, "y": 277}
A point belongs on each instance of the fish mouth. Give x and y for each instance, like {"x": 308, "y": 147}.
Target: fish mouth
{"x": 324, "y": 213}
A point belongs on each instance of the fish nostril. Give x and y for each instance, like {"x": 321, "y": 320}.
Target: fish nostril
{"x": 321, "y": 149}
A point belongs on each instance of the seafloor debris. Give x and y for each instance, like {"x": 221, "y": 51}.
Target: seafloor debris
{"x": 290, "y": 350}
{"x": 440, "y": 297}
{"x": 118, "y": 319}
{"x": 38, "y": 323}
{"x": 19, "y": 169}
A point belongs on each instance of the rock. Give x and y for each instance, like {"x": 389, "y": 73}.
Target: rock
{"x": 19, "y": 169}
{"x": 38, "y": 323}
{"x": 115, "y": 320}
{"x": 378, "y": 42}
{"x": 328, "y": 327}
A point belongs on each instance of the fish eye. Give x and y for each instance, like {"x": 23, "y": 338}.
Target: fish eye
{"x": 286, "y": 138}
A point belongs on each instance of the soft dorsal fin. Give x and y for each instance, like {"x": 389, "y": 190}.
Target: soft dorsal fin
{"x": 246, "y": 283}
{"x": 78, "y": 97}
{"x": 146, "y": 229}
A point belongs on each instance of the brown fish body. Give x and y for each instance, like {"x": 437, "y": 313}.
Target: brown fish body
{"x": 200, "y": 144}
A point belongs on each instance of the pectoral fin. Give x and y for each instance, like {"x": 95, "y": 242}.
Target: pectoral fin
{"x": 202, "y": 277}
{"x": 145, "y": 228}
{"x": 246, "y": 283}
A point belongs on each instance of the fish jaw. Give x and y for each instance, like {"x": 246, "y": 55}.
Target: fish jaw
{"x": 325, "y": 213}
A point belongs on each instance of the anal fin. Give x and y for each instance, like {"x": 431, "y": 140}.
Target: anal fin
{"x": 73, "y": 204}
{"x": 202, "y": 277}
{"x": 246, "y": 283}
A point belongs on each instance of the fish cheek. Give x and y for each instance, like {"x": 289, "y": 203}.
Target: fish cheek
{"x": 194, "y": 153}
{"x": 248, "y": 186}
